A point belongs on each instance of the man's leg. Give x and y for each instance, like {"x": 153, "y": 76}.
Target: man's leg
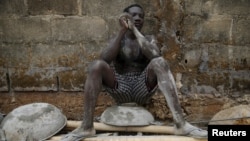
{"x": 99, "y": 72}
{"x": 158, "y": 68}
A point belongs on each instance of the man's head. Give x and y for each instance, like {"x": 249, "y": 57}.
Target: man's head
{"x": 137, "y": 13}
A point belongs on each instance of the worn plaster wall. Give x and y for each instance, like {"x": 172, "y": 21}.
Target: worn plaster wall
{"x": 46, "y": 46}
{"x": 207, "y": 44}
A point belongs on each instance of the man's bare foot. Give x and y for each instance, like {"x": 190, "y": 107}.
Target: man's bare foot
{"x": 191, "y": 131}
{"x": 78, "y": 134}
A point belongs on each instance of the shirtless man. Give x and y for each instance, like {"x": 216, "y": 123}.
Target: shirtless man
{"x": 131, "y": 68}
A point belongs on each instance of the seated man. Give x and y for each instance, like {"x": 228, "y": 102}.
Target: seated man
{"x": 131, "y": 69}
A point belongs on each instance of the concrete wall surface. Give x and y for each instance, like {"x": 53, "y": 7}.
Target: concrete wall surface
{"x": 46, "y": 46}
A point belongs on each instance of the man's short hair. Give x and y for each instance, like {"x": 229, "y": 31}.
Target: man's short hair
{"x": 132, "y": 5}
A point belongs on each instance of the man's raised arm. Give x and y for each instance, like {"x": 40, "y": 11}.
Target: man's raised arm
{"x": 110, "y": 53}
{"x": 149, "y": 48}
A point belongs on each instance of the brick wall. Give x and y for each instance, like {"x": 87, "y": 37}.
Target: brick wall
{"x": 46, "y": 45}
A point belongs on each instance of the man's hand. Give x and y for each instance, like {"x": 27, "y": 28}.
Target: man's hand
{"x": 126, "y": 20}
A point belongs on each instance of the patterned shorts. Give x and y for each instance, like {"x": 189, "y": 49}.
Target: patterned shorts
{"x": 131, "y": 87}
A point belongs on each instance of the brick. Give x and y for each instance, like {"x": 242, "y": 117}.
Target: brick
{"x": 26, "y": 29}
{"x": 60, "y": 57}
{"x": 232, "y": 7}
{"x": 33, "y": 79}
{"x": 12, "y": 7}
{"x": 77, "y": 29}
{"x": 240, "y": 79}
{"x": 215, "y": 29}
{"x": 223, "y": 57}
{"x": 64, "y": 65}
{"x": 217, "y": 56}
{"x": 40, "y": 66}
{"x": 239, "y": 34}
{"x": 25, "y": 74}
{"x": 104, "y": 8}
{"x": 45, "y": 7}
{"x": 217, "y": 7}
{"x": 193, "y": 7}
{"x": 72, "y": 80}
{"x": 14, "y": 55}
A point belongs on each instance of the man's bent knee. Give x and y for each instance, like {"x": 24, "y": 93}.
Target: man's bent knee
{"x": 97, "y": 65}
{"x": 159, "y": 62}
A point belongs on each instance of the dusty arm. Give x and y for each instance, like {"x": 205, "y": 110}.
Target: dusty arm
{"x": 149, "y": 48}
{"x": 110, "y": 53}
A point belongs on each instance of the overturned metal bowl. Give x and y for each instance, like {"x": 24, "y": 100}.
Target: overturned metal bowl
{"x": 127, "y": 115}
{"x": 36, "y": 121}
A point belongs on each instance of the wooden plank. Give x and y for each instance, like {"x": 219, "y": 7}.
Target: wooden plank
{"x": 104, "y": 127}
{"x": 166, "y": 131}
{"x": 136, "y": 138}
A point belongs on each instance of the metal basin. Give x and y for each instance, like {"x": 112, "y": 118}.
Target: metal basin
{"x": 127, "y": 115}
{"x": 33, "y": 122}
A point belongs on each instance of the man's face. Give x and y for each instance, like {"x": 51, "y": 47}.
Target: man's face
{"x": 138, "y": 16}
